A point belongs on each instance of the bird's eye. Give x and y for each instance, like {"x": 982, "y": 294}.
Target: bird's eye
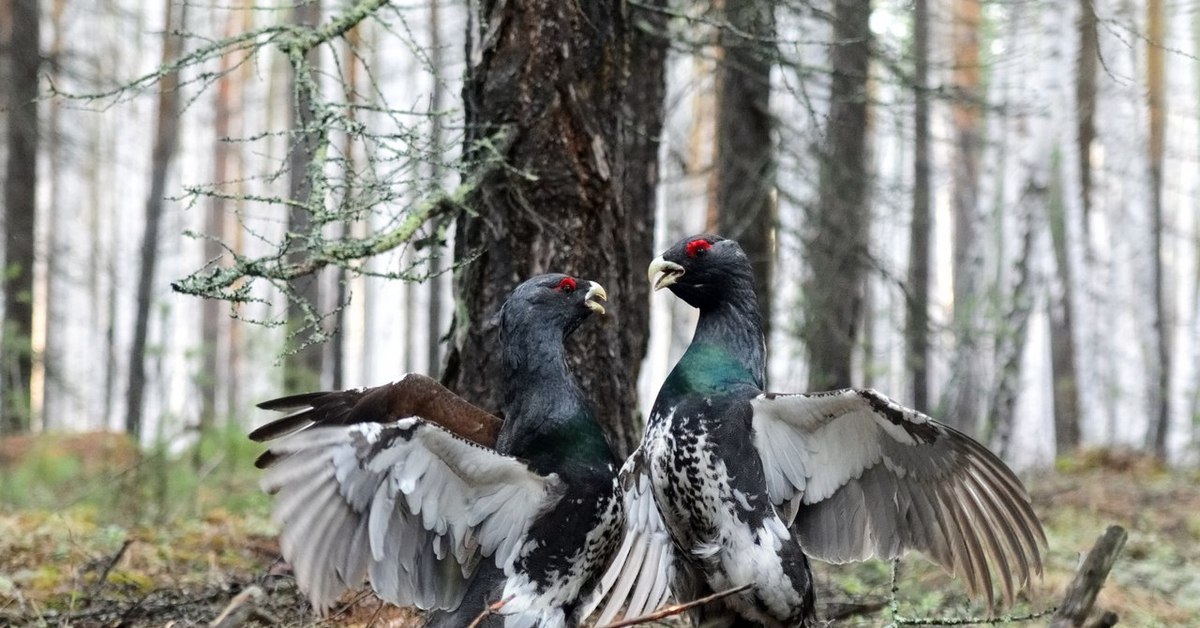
{"x": 698, "y": 247}
{"x": 566, "y": 285}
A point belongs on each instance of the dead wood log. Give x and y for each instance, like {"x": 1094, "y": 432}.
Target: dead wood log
{"x": 1081, "y": 594}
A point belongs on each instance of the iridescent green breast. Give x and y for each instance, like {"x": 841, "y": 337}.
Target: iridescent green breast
{"x": 707, "y": 369}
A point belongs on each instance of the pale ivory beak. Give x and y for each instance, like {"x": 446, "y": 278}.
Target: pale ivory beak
{"x": 671, "y": 272}
{"x": 596, "y": 291}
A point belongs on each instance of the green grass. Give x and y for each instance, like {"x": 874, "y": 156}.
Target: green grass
{"x": 60, "y": 471}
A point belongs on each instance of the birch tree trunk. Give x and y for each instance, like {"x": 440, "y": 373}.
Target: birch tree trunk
{"x": 836, "y": 241}
{"x": 166, "y": 137}
{"x": 24, "y": 55}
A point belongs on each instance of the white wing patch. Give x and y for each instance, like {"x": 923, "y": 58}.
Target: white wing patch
{"x": 408, "y": 502}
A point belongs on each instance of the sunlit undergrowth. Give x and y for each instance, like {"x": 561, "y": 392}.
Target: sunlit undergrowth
{"x": 206, "y": 536}
{"x": 104, "y": 474}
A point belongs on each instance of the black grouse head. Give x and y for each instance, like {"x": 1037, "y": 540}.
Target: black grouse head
{"x": 551, "y": 302}
{"x": 703, "y": 270}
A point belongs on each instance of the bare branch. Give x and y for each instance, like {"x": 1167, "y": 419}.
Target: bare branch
{"x": 676, "y": 609}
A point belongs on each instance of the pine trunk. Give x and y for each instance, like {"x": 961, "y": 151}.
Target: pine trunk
{"x": 212, "y": 314}
{"x": 965, "y": 398}
{"x": 1160, "y": 418}
{"x": 547, "y": 88}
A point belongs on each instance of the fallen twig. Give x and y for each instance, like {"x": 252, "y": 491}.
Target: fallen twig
{"x": 677, "y": 608}
{"x": 108, "y": 567}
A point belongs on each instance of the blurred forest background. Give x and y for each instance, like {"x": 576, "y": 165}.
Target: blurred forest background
{"x": 987, "y": 210}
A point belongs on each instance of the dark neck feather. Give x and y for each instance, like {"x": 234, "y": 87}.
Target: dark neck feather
{"x": 547, "y": 420}
{"x": 733, "y": 322}
{"x": 537, "y": 380}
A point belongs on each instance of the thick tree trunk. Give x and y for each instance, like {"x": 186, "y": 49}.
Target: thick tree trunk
{"x": 916, "y": 330}
{"x": 745, "y": 160}
{"x": 20, "y": 206}
{"x": 836, "y": 239}
{"x": 166, "y": 136}
{"x": 547, "y": 85}
{"x": 303, "y": 369}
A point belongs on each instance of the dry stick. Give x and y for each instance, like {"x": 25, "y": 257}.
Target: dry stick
{"x": 112, "y": 562}
{"x": 678, "y": 608}
{"x": 1081, "y": 594}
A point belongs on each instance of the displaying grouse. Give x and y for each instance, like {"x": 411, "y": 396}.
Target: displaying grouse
{"x": 369, "y": 484}
{"x": 735, "y": 486}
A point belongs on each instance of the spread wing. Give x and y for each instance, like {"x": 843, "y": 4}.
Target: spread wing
{"x": 405, "y": 502}
{"x": 639, "y": 577}
{"x": 867, "y": 477}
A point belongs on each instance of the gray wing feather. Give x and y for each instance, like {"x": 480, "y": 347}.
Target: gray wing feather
{"x": 874, "y": 479}
{"x": 407, "y": 503}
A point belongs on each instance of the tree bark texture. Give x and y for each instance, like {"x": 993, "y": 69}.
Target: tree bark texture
{"x": 550, "y": 79}
{"x": 166, "y": 138}
{"x": 916, "y": 330}
{"x": 1085, "y": 586}
{"x": 836, "y": 240}
{"x": 23, "y": 54}
{"x": 745, "y": 160}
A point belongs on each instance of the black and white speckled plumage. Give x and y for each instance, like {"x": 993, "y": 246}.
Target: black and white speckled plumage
{"x": 733, "y": 486}
{"x": 443, "y": 523}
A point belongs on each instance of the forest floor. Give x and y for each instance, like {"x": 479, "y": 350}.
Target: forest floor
{"x": 82, "y": 548}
